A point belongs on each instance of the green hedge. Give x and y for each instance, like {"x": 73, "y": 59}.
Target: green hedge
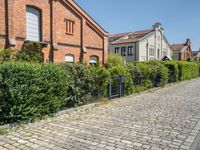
{"x": 30, "y": 91}
{"x": 140, "y": 74}
{"x": 173, "y": 71}
{"x": 188, "y": 70}
{"x": 101, "y": 78}
{"x": 122, "y": 70}
{"x": 80, "y": 85}
{"x": 146, "y": 75}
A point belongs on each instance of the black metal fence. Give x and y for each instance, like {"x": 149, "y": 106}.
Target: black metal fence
{"x": 117, "y": 86}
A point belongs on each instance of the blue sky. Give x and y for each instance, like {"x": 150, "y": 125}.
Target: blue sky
{"x": 180, "y": 18}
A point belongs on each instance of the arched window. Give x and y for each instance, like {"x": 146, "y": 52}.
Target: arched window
{"x": 69, "y": 58}
{"x": 93, "y": 59}
{"x": 33, "y": 24}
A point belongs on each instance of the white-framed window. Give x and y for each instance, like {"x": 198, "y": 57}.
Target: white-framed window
{"x": 33, "y": 24}
{"x": 69, "y": 58}
{"x": 94, "y": 59}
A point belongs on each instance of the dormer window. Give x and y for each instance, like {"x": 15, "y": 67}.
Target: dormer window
{"x": 69, "y": 26}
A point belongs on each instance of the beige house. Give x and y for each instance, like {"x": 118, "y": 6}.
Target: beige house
{"x": 142, "y": 45}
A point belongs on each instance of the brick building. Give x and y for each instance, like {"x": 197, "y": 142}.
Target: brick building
{"x": 67, "y": 32}
{"x": 183, "y": 51}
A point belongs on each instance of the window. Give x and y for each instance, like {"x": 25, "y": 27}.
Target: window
{"x": 151, "y": 51}
{"x": 130, "y": 50}
{"x": 123, "y": 51}
{"x": 69, "y": 58}
{"x": 117, "y": 50}
{"x": 94, "y": 60}
{"x": 158, "y": 53}
{"x": 69, "y": 26}
{"x": 33, "y": 24}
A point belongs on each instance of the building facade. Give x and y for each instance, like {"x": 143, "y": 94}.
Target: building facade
{"x": 144, "y": 45}
{"x": 182, "y": 52}
{"x": 67, "y": 32}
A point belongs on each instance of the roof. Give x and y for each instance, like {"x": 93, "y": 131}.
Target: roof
{"x": 125, "y": 41}
{"x": 177, "y": 47}
{"x": 119, "y": 35}
{"x": 142, "y": 32}
{"x": 138, "y": 35}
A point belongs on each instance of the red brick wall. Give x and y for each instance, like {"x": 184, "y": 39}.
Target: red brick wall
{"x": 84, "y": 36}
{"x": 2, "y": 23}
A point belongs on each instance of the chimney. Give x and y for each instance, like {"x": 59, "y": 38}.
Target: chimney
{"x": 158, "y": 26}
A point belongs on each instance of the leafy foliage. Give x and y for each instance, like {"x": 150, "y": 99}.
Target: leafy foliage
{"x": 122, "y": 70}
{"x": 31, "y": 52}
{"x": 80, "y": 85}
{"x": 30, "y": 91}
{"x": 188, "y": 70}
{"x": 115, "y": 60}
{"x": 101, "y": 81}
{"x": 5, "y": 55}
{"x": 173, "y": 71}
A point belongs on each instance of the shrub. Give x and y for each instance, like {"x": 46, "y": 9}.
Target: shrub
{"x": 30, "y": 56}
{"x": 159, "y": 76}
{"x": 5, "y": 55}
{"x": 122, "y": 70}
{"x": 30, "y": 91}
{"x": 173, "y": 71}
{"x": 80, "y": 85}
{"x": 101, "y": 78}
{"x": 31, "y": 52}
{"x": 188, "y": 70}
{"x": 141, "y": 73}
{"x": 115, "y": 60}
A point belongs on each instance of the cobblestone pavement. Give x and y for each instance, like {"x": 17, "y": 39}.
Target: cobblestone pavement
{"x": 168, "y": 118}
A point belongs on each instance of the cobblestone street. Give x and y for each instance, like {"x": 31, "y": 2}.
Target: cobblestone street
{"x": 168, "y": 118}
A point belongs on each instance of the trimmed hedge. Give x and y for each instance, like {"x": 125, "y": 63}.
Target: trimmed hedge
{"x": 80, "y": 85}
{"x": 146, "y": 75}
{"x": 188, "y": 70}
{"x": 122, "y": 70}
{"x": 173, "y": 71}
{"x": 101, "y": 81}
{"x": 30, "y": 91}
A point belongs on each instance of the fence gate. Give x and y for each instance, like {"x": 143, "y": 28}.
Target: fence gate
{"x": 116, "y": 86}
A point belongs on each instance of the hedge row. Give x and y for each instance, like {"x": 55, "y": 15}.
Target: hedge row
{"x": 29, "y": 91}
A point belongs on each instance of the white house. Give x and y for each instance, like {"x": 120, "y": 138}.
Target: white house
{"x": 142, "y": 45}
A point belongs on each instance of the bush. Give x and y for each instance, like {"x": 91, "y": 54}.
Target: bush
{"x": 30, "y": 56}
{"x": 101, "y": 81}
{"x": 5, "y": 55}
{"x": 115, "y": 60}
{"x": 173, "y": 71}
{"x": 141, "y": 73}
{"x": 146, "y": 75}
{"x": 80, "y": 85}
{"x": 122, "y": 70}
{"x": 159, "y": 76}
{"x": 31, "y": 52}
{"x": 188, "y": 70}
{"x": 30, "y": 91}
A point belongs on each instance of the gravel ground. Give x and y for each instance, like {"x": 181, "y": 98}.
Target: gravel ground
{"x": 168, "y": 118}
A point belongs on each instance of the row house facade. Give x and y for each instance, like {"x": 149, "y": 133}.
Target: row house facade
{"x": 67, "y": 32}
{"x": 144, "y": 45}
{"x": 182, "y": 52}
